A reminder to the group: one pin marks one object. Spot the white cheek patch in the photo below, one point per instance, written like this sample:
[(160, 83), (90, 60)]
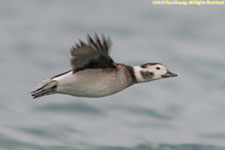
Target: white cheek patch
[(158, 74)]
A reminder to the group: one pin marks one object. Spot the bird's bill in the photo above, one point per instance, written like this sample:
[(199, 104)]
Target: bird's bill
[(169, 74)]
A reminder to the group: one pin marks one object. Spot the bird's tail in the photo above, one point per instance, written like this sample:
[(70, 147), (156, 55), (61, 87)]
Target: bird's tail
[(48, 87)]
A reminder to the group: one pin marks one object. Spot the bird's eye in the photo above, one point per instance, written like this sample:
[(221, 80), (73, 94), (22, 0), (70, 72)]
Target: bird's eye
[(158, 68)]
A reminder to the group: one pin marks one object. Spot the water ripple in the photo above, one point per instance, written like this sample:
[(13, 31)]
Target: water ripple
[(163, 147), (75, 108)]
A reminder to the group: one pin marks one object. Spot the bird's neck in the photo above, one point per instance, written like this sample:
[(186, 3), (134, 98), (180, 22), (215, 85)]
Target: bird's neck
[(138, 73), (142, 74)]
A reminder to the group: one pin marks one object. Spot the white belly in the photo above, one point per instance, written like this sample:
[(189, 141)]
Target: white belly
[(91, 83)]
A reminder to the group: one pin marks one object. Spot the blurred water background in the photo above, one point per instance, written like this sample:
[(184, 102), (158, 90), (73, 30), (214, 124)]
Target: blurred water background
[(183, 113)]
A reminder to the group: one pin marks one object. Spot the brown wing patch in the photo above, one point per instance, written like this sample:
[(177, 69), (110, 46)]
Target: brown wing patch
[(93, 54)]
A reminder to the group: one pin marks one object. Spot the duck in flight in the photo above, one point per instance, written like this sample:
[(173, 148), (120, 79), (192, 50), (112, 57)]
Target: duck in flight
[(95, 74)]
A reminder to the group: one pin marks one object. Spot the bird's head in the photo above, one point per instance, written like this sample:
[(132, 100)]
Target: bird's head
[(152, 71)]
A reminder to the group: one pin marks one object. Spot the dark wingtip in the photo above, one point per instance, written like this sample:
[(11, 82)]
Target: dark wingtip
[(89, 37), (82, 43)]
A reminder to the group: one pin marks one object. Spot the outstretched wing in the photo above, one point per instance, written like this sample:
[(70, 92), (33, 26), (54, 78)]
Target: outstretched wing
[(94, 54)]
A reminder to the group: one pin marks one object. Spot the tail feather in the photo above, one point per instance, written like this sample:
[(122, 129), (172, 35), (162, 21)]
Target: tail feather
[(46, 89)]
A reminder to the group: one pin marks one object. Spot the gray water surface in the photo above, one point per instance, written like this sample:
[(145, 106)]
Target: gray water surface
[(183, 113)]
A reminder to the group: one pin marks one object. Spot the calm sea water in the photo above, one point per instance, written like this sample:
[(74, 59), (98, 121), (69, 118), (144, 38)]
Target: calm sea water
[(184, 113)]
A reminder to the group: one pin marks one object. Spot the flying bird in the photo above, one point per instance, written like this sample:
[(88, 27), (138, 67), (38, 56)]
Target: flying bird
[(95, 74)]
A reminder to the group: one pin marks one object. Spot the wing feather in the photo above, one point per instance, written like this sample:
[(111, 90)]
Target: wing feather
[(94, 54)]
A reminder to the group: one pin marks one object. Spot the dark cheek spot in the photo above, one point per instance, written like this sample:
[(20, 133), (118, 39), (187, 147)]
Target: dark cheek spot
[(146, 74), (158, 68), (142, 74), (150, 73)]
